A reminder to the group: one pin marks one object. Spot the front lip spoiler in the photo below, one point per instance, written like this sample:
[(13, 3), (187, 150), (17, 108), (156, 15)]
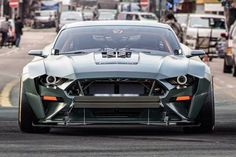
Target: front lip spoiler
[(62, 124)]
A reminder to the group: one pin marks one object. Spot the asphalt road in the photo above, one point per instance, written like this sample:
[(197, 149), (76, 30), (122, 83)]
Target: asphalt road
[(109, 141)]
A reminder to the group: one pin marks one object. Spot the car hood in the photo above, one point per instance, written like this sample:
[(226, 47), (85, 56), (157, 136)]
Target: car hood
[(93, 65)]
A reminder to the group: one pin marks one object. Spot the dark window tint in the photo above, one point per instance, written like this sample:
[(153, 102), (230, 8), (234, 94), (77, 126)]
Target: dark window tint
[(117, 37)]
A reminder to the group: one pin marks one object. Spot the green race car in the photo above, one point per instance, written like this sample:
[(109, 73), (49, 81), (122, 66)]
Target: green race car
[(116, 73)]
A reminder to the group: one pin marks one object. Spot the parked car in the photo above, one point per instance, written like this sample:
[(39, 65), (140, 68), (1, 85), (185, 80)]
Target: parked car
[(45, 19), (107, 14), (137, 16), (230, 51), (203, 31), (116, 73), (67, 17)]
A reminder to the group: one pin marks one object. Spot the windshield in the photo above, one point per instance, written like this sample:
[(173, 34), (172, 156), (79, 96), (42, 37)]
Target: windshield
[(106, 15), (117, 37), (203, 22), (71, 16), (148, 17)]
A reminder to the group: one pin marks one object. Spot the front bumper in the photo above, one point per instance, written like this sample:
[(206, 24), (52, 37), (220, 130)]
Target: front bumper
[(115, 109)]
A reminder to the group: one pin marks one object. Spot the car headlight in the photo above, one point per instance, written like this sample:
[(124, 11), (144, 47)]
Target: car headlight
[(47, 80), (51, 80), (183, 80)]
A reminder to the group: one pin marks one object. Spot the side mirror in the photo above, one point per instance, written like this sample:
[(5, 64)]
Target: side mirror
[(55, 52), (224, 35), (36, 53), (196, 53)]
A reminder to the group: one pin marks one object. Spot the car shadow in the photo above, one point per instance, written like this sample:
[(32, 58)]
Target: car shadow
[(220, 130), (115, 130)]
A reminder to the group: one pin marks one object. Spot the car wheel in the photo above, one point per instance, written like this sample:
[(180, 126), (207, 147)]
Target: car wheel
[(227, 68), (26, 117), (206, 117)]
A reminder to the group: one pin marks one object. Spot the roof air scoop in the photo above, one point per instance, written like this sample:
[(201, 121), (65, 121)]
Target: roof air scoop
[(116, 57)]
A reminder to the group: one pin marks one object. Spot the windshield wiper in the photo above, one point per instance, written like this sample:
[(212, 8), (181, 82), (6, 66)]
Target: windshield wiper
[(141, 50), (152, 52), (81, 51), (74, 52)]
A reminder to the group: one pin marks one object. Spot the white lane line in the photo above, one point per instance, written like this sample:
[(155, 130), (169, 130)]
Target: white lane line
[(9, 75), (222, 84), (14, 50), (6, 92), (229, 86), (9, 52)]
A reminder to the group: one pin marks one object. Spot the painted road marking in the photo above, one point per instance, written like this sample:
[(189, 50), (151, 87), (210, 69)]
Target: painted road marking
[(6, 92), (220, 84), (9, 52), (229, 86)]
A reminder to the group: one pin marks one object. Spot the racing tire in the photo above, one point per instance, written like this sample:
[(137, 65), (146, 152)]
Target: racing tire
[(206, 117), (227, 68), (26, 117)]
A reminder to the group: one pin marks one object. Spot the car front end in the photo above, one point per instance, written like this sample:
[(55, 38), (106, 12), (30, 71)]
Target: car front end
[(103, 73), (118, 97)]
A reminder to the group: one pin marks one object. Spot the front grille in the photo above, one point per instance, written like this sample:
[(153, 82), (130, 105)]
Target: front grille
[(100, 113), (115, 86)]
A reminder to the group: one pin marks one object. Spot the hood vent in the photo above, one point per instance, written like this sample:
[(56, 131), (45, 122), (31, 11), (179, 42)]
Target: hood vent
[(116, 54), (112, 56)]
